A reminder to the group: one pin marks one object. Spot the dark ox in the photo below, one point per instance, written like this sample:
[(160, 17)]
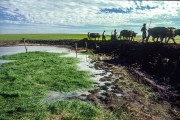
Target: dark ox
[(175, 33), (162, 33), (93, 35), (128, 34)]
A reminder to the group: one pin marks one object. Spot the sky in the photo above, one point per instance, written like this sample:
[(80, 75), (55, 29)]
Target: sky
[(83, 16)]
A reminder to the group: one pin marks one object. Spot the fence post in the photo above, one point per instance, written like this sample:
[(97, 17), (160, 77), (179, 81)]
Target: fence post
[(76, 49), (25, 44), (86, 45)]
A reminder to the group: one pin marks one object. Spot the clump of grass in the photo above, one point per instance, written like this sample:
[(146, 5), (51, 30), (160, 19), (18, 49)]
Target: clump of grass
[(74, 110), (40, 70)]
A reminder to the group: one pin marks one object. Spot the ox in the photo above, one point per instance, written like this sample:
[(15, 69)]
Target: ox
[(93, 35), (162, 33), (175, 32), (128, 34)]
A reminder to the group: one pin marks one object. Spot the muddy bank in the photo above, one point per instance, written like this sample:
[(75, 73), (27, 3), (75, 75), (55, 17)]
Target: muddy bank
[(128, 99), (9, 43)]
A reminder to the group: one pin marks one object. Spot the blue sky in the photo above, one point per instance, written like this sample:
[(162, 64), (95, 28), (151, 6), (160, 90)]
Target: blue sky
[(82, 16)]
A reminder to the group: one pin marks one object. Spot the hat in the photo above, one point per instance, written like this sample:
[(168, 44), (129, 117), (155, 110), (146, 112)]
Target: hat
[(144, 24)]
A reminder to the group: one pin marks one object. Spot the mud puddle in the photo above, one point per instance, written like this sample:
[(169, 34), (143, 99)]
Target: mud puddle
[(101, 81)]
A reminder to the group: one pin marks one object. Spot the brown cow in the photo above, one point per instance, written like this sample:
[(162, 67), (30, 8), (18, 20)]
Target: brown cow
[(93, 35), (128, 34), (162, 33)]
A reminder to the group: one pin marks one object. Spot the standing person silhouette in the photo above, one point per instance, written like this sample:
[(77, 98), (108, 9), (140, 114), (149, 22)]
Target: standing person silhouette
[(103, 35), (143, 30)]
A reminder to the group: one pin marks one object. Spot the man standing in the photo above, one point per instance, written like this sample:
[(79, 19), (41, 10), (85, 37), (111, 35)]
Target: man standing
[(143, 30), (103, 36)]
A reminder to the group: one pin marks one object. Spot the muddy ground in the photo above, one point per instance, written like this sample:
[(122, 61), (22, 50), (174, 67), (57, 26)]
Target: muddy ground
[(129, 99), (144, 80)]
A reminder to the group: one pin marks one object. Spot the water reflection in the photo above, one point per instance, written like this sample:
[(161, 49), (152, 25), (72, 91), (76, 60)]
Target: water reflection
[(21, 49)]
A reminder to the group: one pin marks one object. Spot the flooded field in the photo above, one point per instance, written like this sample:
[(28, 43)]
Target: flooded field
[(113, 87), (85, 64)]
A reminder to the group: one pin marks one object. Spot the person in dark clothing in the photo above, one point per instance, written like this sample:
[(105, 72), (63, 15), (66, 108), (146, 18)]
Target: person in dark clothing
[(143, 30), (103, 35), (115, 34)]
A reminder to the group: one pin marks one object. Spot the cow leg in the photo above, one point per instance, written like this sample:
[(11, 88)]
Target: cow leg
[(147, 38), (168, 39), (165, 40), (157, 39), (173, 40), (153, 39), (161, 39)]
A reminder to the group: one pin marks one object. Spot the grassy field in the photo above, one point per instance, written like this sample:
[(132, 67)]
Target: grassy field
[(17, 37), (25, 81)]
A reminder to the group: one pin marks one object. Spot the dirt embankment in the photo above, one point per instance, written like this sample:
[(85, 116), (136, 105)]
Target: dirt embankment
[(128, 99), (155, 64)]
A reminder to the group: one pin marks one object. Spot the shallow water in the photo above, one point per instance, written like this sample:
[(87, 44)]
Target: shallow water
[(21, 49), (85, 64), (4, 61)]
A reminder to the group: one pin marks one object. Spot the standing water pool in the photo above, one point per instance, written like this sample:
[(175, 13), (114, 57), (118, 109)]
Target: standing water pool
[(85, 64)]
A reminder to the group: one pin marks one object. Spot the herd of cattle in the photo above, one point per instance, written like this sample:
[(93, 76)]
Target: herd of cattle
[(164, 33)]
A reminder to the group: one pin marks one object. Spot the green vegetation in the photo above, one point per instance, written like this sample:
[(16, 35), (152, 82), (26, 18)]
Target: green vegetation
[(16, 37), (25, 81), (66, 110), (41, 70)]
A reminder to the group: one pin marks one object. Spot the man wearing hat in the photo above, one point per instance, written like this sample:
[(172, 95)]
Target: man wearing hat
[(143, 30), (103, 35)]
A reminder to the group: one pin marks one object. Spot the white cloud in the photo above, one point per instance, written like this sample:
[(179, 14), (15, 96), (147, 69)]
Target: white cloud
[(86, 13)]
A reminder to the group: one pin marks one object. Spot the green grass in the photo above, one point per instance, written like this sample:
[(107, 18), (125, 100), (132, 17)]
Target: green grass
[(16, 37), (41, 70), (66, 110), (25, 81)]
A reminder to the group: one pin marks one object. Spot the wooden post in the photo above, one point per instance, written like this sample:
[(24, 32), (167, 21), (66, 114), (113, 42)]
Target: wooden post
[(76, 49), (86, 50), (25, 44), (86, 45)]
